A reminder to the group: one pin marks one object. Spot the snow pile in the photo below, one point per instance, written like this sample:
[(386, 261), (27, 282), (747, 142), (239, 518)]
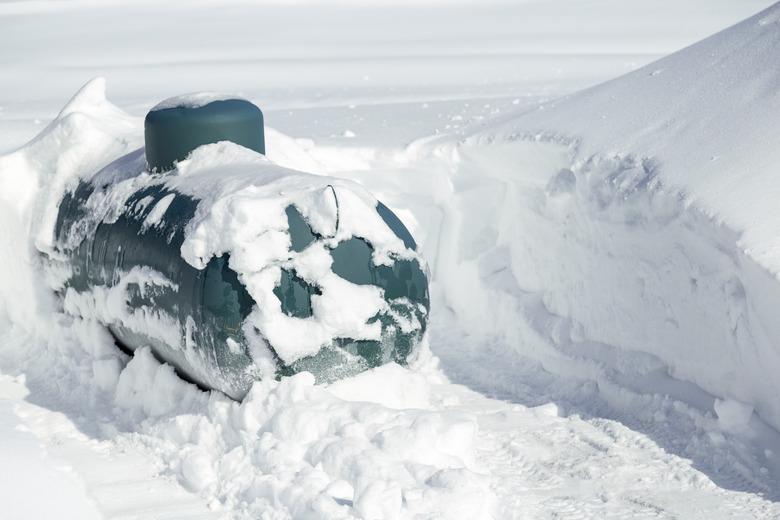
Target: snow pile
[(632, 226), (86, 133), (707, 114), (384, 444), (573, 263), (295, 449)]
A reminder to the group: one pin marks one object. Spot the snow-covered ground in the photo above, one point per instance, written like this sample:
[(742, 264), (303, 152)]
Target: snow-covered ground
[(602, 342)]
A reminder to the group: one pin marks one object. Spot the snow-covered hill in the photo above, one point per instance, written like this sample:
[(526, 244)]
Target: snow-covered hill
[(707, 118)]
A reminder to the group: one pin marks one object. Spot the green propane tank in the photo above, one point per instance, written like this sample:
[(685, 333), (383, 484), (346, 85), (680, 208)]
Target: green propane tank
[(196, 318)]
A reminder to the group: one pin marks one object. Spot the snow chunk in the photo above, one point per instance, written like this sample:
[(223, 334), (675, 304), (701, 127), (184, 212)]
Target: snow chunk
[(733, 416), (151, 388)]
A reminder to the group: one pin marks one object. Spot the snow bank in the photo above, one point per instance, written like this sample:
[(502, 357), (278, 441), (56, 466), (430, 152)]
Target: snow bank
[(633, 227), (707, 115), (83, 138)]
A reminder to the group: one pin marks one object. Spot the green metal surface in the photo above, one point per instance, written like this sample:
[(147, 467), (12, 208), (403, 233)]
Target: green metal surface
[(394, 223), (172, 133), (301, 234), (295, 295), (209, 306), (403, 279)]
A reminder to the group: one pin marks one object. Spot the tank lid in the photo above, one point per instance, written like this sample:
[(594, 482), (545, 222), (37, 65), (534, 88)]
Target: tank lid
[(176, 126)]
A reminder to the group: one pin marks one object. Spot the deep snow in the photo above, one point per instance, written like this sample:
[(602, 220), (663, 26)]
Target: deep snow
[(675, 165), (576, 278)]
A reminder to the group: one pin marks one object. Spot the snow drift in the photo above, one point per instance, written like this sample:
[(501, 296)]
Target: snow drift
[(634, 226)]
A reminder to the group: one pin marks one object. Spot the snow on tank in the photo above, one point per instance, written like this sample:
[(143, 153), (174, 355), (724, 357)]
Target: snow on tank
[(235, 269)]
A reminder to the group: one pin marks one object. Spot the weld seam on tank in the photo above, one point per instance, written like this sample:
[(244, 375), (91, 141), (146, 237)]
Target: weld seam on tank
[(335, 197)]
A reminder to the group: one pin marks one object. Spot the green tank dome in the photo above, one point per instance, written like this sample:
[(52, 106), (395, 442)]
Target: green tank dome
[(178, 125)]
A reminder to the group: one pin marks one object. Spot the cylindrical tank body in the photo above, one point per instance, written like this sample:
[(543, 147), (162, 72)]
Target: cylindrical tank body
[(122, 234)]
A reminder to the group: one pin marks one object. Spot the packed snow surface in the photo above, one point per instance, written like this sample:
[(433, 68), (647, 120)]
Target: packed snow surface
[(602, 341)]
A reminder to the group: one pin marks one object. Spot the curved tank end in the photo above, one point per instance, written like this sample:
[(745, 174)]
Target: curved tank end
[(177, 126)]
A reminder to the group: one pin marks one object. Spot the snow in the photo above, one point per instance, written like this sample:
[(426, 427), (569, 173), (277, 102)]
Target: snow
[(657, 196), (192, 100), (601, 338), (26, 470), (716, 102), (155, 216), (733, 415), (242, 212)]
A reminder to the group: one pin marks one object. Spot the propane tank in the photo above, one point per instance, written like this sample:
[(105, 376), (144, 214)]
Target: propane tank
[(121, 233)]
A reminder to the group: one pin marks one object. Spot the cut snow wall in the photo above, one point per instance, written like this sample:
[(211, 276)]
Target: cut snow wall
[(598, 261), (636, 223)]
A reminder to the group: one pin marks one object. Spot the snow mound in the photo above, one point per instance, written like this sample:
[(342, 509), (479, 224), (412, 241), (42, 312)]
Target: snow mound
[(85, 135), (293, 448), (708, 114), (631, 230)]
